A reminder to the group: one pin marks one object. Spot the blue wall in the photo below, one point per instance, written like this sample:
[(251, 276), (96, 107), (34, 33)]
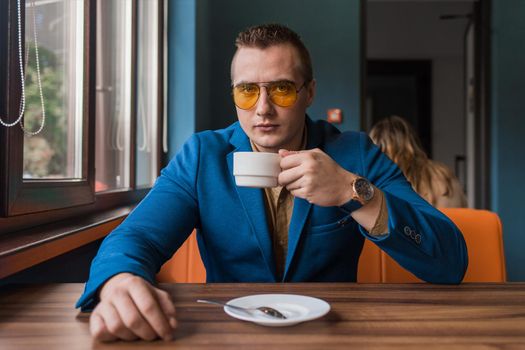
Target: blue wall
[(181, 72), (199, 74), (508, 128)]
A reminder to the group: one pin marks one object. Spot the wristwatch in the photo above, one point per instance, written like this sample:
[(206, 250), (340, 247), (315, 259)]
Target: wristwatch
[(363, 192)]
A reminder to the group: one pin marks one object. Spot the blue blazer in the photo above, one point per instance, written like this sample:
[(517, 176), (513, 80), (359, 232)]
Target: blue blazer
[(197, 190)]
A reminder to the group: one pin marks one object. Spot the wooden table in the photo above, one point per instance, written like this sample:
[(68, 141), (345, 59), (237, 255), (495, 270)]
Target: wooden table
[(410, 316)]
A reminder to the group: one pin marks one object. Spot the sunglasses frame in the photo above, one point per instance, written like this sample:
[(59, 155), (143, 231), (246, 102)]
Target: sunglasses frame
[(265, 85)]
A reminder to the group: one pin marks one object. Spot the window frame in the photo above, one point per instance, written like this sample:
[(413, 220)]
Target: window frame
[(28, 196), (28, 203)]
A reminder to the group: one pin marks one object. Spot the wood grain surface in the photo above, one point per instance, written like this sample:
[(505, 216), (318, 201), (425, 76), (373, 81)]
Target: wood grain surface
[(371, 316)]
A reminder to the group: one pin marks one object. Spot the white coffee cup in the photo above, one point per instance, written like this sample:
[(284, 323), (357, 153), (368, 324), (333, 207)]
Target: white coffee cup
[(256, 169)]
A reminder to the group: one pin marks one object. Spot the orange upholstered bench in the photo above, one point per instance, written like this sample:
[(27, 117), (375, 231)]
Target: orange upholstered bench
[(481, 228)]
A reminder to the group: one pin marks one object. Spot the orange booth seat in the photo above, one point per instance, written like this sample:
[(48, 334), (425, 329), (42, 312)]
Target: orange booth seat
[(481, 228), (185, 265)]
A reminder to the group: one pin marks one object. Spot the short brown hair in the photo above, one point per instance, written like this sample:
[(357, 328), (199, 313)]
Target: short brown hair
[(265, 35)]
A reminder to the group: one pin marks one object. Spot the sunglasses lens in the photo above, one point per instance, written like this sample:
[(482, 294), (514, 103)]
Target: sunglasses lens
[(245, 96), (283, 93)]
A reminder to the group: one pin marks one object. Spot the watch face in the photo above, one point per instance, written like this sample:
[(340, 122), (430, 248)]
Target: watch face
[(364, 189)]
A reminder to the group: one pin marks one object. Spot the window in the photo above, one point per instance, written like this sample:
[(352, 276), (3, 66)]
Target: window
[(113, 103), (149, 110), (93, 73), (55, 151)]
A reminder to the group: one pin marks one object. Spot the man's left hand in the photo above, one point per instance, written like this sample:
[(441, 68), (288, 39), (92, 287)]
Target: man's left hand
[(314, 176)]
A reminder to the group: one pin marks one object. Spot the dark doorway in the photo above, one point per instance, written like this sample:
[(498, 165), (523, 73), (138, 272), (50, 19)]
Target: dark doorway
[(403, 88)]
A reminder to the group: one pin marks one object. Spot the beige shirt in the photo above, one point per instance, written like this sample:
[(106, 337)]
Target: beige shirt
[(278, 203), (279, 207)]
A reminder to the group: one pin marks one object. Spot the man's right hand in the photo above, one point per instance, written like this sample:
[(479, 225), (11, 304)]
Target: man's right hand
[(130, 308)]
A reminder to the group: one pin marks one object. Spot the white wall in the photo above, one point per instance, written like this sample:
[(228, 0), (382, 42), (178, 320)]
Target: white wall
[(413, 30)]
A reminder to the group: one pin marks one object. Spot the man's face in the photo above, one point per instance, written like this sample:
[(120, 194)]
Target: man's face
[(268, 125)]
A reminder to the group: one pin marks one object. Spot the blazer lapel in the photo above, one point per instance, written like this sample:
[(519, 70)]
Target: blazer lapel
[(301, 207), (252, 200)]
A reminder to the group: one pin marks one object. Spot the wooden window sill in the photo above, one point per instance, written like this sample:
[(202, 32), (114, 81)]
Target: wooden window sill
[(23, 249)]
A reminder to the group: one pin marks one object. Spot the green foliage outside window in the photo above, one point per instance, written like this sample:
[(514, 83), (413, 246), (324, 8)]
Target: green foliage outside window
[(45, 153)]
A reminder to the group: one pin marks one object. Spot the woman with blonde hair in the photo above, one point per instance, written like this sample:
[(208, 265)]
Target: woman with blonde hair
[(433, 181)]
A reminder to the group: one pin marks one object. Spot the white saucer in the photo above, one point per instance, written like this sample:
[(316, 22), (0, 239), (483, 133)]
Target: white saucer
[(296, 308)]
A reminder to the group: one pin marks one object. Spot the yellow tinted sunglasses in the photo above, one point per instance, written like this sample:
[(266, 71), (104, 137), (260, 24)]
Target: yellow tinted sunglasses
[(282, 93)]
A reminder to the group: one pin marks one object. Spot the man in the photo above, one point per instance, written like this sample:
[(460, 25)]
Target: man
[(337, 189)]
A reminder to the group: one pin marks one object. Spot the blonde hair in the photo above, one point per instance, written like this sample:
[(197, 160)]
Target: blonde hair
[(397, 139)]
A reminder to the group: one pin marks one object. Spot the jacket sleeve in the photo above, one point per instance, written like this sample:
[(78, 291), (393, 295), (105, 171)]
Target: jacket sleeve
[(420, 238), (154, 230)]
